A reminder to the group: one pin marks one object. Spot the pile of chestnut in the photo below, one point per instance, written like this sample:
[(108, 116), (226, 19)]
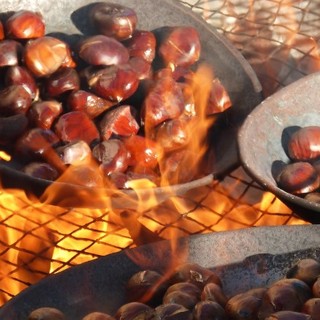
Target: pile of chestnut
[(195, 293), (122, 97), (302, 175)]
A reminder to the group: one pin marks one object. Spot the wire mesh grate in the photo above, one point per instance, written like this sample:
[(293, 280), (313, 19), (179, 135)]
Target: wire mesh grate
[(280, 40)]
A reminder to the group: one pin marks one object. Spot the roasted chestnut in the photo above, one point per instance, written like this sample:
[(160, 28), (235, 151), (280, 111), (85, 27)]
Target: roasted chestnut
[(304, 144), (312, 307), (98, 316), (307, 270), (171, 311), (205, 310), (133, 311), (288, 315), (46, 313), (298, 178), (114, 20)]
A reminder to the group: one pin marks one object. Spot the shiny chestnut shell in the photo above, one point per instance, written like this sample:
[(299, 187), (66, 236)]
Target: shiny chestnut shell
[(304, 144)]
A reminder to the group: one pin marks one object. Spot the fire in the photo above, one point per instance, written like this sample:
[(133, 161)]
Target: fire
[(80, 217)]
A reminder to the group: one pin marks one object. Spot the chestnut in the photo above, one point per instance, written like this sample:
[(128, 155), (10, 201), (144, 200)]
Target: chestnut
[(304, 144), (171, 311), (146, 286), (19, 75), (119, 121), (204, 310), (65, 79), (25, 24), (10, 52), (213, 292), (288, 315), (186, 287), (98, 316), (88, 102), (43, 113), (316, 288), (180, 46), (115, 83), (182, 298), (112, 155), (245, 305), (102, 50), (284, 294), (45, 55), (307, 270), (41, 170), (76, 125), (46, 313), (15, 99), (312, 307), (74, 152), (113, 20), (298, 178), (133, 310)]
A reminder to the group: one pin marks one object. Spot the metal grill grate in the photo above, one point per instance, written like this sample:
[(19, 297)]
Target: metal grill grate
[(280, 40)]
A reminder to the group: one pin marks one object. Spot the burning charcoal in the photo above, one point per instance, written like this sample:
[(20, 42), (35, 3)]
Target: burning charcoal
[(45, 55), (91, 104), (205, 310), (41, 170), (144, 152), (134, 311), (98, 316), (19, 75), (146, 286), (164, 101), (113, 156), (115, 82), (74, 152), (63, 80), (173, 134), (25, 24), (306, 270), (46, 313), (43, 113), (10, 52), (312, 307), (288, 315), (76, 125), (142, 44), (196, 274), (119, 121), (179, 297), (284, 294), (219, 99), (14, 99), (245, 306), (179, 46), (114, 20), (2, 33), (171, 311), (316, 288), (101, 50), (213, 292), (12, 128)]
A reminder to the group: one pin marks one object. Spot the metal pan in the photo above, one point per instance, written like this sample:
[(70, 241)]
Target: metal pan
[(243, 259), (67, 18)]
